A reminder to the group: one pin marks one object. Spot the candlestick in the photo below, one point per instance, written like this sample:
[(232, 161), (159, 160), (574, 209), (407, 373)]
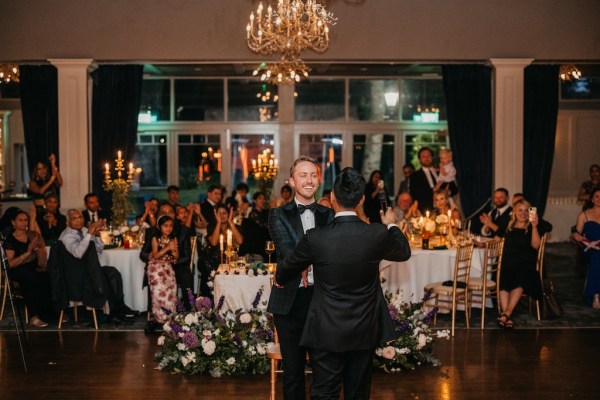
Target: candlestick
[(427, 213), (221, 242), (119, 154), (229, 238), (449, 213)]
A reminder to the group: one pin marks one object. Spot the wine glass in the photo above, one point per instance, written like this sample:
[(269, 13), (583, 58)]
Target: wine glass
[(269, 249)]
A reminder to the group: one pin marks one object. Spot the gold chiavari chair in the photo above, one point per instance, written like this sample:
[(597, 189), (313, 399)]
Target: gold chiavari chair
[(539, 267)]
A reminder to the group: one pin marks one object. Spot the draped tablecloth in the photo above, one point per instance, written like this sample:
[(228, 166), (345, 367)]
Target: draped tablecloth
[(240, 290), (423, 267), (132, 271)]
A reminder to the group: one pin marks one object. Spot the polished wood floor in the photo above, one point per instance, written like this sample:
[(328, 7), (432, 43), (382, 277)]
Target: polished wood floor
[(493, 364)]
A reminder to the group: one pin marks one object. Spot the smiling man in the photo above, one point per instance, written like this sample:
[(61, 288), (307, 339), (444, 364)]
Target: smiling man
[(289, 303)]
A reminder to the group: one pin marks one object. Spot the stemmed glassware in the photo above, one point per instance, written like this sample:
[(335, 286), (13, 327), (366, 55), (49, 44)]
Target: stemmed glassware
[(269, 249)]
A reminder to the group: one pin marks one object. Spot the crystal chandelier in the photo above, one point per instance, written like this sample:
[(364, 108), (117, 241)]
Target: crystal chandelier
[(265, 166), (290, 28), (569, 72), (9, 73)]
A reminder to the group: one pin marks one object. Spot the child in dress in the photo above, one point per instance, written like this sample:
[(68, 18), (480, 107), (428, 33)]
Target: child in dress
[(161, 277), (447, 175)]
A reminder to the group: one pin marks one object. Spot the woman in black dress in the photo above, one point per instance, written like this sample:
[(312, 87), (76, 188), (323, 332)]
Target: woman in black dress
[(43, 182), (518, 277), (372, 205), (26, 254)]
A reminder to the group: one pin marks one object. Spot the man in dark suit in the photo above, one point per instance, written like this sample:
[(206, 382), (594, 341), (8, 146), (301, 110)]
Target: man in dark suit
[(207, 207), (496, 221), (348, 317), (289, 303), (92, 212), (422, 182)]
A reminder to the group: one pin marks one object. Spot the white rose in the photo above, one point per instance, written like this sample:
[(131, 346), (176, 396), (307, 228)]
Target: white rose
[(245, 318), (378, 352), (216, 332), (181, 346), (388, 352), (206, 333), (441, 219), (123, 229), (161, 341), (167, 327), (191, 319), (209, 347), (422, 341), (430, 226), (251, 272), (184, 361), (230, 361), (191, 356), (244, 343), (404, 350), (445, 334), (209, 284)]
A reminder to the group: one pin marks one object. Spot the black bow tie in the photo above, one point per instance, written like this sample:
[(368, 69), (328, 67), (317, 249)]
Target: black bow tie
[(312, 207)]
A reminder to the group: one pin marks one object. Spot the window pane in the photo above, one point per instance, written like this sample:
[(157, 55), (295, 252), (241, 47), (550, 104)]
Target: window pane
[(587, 88), (327, 151), (199, 167), (374, 100), (250, 100), (199, 100), (423, 100), (320, 100), (154, 105), (152, 158), (244, 149), (372, 152)]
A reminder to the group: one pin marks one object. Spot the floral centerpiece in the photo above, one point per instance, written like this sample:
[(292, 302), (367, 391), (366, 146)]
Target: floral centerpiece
[(208, 340), (425, 225), (414, 336)]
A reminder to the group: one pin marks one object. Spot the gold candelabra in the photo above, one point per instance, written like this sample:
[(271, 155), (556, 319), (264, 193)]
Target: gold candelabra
[(119, 168), (569, 72), (207, 164), (265, 167), (9, 73), (121, 207)]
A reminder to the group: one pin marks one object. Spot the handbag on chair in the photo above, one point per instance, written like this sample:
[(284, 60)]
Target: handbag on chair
[(550, 306)]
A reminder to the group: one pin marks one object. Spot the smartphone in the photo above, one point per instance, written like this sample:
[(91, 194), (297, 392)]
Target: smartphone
[(532, 212)]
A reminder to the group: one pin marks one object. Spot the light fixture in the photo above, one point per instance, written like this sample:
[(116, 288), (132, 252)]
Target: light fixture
[(391, 98), (569, 72), (265, 167), (9, 73), (288, 29), (210, 163)]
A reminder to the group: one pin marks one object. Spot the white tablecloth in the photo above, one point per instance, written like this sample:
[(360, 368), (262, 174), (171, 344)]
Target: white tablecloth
[(240, 290), (423, 267), (132, 271)]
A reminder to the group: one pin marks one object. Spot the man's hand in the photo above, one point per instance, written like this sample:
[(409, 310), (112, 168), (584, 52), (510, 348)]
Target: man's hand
[(305, 277), (485, 219), (388, 217)]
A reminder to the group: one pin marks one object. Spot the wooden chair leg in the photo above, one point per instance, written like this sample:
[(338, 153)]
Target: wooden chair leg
[(95, 319), (537, 309), (60, 319), (483, 295), (4, 291), (75, 311), (26, 315), (273, 378)]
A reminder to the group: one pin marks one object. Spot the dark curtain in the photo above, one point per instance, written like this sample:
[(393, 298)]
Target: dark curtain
[(117, 91), (468, 91), (39, 104), (539, 131)]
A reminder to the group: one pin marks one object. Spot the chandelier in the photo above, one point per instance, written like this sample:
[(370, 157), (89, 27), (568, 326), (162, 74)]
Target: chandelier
[(290, 28), (569, 72), (265, 167), (9, 73)]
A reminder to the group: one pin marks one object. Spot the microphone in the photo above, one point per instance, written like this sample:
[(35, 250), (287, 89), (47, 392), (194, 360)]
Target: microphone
[(383, 200)]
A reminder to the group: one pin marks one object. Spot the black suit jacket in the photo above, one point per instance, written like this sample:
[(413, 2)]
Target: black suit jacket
[(208, 211), (86, 216), (421, 191), (285, 227), (348, 311)]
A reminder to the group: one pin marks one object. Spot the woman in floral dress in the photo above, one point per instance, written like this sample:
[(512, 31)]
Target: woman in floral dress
[(161, 277)]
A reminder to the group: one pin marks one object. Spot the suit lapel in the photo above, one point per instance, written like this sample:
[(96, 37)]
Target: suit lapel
[(321, 217), (293, 216)]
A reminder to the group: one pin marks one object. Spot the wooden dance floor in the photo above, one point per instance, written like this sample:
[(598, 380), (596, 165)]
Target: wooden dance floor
[(493, 364)]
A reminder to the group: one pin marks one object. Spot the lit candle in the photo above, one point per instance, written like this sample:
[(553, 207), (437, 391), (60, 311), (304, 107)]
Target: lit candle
[(119, 154), (229, 238), (106, 168), (449, 213), (221, 242), (427, 213), (131, 168)]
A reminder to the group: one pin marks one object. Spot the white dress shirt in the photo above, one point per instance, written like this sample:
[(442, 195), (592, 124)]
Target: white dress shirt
[(308, 222), (77, 242)]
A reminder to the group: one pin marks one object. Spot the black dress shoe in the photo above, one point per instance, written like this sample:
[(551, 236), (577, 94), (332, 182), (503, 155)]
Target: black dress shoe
[(115, 320), (127, 312)]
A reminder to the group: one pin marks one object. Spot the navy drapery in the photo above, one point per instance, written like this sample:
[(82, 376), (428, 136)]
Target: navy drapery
[(468, 91), (539, 131), (117, 91), (39, 104)]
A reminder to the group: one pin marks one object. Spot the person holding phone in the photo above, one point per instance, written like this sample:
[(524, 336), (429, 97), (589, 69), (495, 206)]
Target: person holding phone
[(519, 276), (373, 203)]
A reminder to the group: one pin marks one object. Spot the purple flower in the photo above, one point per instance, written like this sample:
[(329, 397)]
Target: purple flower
[(191, 298), (203, 304), (404, 326), (257, 298), (429, 316), (393, 312), (166, 311), (175, 328), (190, 340), (237, 340), (180, 307), (220, 303), (427, 295)]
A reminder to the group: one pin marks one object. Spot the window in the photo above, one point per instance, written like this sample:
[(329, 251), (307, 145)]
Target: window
[(199, 100), (375, 152), (587, 88), (200, 164), (423, 100), (374, 100), (320, 100), (155, 103), (250, 100), (151, 155), (326, 150), (244, 149)]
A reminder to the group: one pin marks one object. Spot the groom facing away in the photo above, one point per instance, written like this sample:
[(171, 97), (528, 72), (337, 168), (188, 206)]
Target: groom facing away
[(348, 316)]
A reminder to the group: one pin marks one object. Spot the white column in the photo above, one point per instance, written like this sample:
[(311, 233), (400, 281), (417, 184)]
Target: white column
[(4, 149), (287, 143), (73, 129), (508, 122)]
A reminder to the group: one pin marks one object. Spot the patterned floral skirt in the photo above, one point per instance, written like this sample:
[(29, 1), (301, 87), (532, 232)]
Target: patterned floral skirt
[(163, 288)]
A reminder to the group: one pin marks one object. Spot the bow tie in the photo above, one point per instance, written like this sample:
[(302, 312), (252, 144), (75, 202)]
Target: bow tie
[(312, 207)]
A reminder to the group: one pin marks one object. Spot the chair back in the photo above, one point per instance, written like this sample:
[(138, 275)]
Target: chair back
[(492, 261), (194, 244), (462, 265), (539, 266)]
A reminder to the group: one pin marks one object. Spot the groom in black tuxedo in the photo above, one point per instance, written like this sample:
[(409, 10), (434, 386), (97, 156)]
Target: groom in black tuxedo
[(289, 303), (348, 316)]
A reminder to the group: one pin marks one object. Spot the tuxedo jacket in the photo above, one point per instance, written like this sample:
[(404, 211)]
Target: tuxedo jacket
[(285, 227), (348, 311), (501, 220), (421, 191), (208, 211), (86, 216)]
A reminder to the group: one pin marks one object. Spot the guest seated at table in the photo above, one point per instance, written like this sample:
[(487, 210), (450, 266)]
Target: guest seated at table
[(496, 221), (76, 239), (50, 220), (6, 225), (587, 235), (213, 197), (255, 229), (442, 205), (542, 223), (161, 277), (405, 208), (149, 215), (92, 211), (587, 187), (43, 183), (26, 255), (183, 273), (519, 276)]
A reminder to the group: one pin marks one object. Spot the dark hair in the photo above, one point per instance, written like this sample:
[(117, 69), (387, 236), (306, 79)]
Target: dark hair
[(168, 205), (17, 213), (9, 215), (505, 191), (155, 199), (242, 186), (286, 188), (594, 192), (349, 187), (87, 196), (162, 220), (594, 166), (173, 188), (257, 194), (408, 165), (212, 187), (422, 149), (221, 205), (51, 195)]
